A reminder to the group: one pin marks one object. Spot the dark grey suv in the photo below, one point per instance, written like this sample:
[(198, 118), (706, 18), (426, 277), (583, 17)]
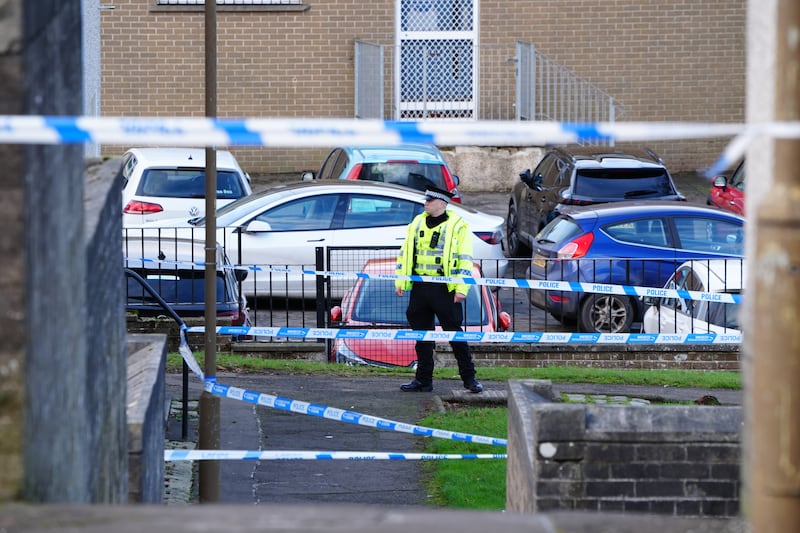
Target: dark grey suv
[(581, 176)]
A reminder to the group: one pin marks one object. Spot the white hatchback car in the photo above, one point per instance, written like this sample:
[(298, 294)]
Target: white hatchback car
[(685, 315), (283, 226), (161, 183)]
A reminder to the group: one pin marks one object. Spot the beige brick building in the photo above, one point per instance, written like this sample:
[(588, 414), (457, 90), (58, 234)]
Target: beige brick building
[(662, 60)]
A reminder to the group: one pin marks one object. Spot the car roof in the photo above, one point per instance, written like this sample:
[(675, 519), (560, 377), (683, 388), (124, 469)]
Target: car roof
[(648, 207), (360, 186), (417, 152), (720, 275), (595, 157), (185, 157)]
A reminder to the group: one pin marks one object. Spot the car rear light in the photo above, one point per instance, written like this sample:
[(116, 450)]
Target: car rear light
[(573, 201), (577, 247), (354, 172), (240, 318), (448, 178), (558, 297), (490, 237), (135, 207)]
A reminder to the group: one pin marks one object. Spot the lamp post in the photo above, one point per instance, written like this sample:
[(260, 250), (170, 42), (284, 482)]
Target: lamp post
[(209, 437)]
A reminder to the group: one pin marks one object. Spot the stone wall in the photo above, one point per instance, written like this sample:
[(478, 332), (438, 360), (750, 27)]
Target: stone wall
[(106, 366), (146, 357), (673, 460)]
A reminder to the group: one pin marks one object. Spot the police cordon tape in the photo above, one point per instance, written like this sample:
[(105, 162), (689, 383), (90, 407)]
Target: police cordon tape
[(331, 413), (283, 455), (322, 133), (530, 337), (548, 285), (310, 132)]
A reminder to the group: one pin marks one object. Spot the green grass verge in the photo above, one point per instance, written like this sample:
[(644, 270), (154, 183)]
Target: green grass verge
[(478, 484), (559, 374)]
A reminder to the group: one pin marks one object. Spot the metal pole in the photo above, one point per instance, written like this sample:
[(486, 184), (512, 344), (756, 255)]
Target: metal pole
[(209, 438), (774, 462)]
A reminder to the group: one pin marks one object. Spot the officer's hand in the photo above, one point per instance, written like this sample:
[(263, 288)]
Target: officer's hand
[(399, 291), (458, 298)]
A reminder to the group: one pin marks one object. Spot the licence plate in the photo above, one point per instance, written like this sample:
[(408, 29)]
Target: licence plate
[(539, 261)]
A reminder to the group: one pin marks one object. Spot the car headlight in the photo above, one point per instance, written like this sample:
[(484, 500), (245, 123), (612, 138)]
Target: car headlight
[(347, 356)]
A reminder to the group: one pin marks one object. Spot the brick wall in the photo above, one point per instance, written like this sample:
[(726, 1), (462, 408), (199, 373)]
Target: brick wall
[(679, 60), (673, 460)]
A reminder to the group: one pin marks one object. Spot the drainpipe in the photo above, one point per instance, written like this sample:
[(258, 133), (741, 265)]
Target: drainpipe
[(774, 463)]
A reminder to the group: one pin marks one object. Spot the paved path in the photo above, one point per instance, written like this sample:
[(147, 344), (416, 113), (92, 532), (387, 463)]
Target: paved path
[(244, 426)]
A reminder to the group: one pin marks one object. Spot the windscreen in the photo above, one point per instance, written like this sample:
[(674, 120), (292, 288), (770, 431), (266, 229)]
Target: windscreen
[(377, 303)]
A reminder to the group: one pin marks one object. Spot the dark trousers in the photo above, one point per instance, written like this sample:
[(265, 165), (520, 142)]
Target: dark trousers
[(427, 302)]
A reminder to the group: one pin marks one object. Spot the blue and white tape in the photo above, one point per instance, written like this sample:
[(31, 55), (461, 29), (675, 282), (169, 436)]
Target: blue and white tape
[(300, 455), (564, 286), (529, 337), (308, 132), (340, 415)]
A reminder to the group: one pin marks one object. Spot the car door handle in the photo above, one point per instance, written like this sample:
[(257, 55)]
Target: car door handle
[(315, 240)]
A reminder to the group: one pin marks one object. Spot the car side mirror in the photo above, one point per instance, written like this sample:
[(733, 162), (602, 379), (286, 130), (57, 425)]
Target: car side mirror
[(336, 314), (721, 181), (651, 300), (526, 177), (307, 175), (240, 274), (504, 321), (257, 226), (456, 179)]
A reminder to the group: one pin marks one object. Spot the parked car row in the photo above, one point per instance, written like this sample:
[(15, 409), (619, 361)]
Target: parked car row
[(607, 217)]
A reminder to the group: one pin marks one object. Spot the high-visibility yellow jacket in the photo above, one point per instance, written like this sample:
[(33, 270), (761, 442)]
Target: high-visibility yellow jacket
[(451, 255)]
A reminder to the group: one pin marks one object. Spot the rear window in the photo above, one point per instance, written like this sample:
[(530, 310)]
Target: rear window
[(406, 173), (560, 229), (188, 183), (175, 287), (622, 184)]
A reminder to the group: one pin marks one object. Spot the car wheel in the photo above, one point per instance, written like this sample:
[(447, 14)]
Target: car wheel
[(606, 313), (516, 248)]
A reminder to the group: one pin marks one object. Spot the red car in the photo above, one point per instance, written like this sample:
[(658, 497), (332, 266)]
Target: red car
[(372, 303), (728, 194)]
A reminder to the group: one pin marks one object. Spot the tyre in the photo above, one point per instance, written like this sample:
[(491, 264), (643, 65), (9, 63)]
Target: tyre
[(516, 248), (606, 313)]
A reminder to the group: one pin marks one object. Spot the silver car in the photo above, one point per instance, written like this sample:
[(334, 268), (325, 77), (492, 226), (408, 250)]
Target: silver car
[(283, 226)]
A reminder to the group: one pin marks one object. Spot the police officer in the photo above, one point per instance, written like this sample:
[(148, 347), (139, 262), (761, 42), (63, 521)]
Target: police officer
[(437, 243)]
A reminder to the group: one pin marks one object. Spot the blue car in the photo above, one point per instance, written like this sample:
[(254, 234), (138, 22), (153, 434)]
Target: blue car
[(624, 243)]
